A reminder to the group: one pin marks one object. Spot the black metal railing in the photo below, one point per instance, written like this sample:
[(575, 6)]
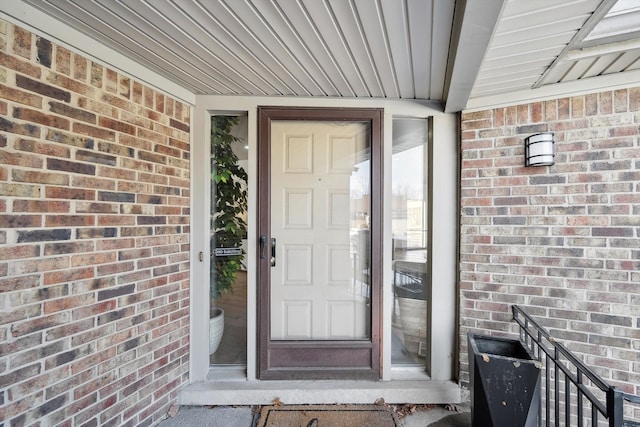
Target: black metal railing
[(572, 394)]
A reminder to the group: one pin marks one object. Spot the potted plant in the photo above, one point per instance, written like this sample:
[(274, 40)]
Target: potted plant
[(228, 226)]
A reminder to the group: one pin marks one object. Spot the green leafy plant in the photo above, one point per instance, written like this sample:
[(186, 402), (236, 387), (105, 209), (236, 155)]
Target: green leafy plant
[(229, 200)]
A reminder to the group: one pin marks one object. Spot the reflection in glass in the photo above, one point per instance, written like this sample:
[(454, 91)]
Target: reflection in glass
[(228, 277), (409, 228), (320, 209)]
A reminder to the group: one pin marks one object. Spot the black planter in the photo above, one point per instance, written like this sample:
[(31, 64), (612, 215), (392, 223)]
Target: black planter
[(505, 383)]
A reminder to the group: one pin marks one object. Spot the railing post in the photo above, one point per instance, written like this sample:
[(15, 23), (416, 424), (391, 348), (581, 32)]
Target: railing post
[(615, 407)]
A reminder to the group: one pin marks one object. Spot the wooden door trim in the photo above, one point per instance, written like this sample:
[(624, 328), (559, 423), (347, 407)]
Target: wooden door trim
[(357, 359)]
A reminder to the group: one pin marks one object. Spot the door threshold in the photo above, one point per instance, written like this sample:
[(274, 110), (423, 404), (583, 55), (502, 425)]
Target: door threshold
[(243, 392)]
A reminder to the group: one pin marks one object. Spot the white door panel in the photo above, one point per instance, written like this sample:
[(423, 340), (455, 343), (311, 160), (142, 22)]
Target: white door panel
[(298, 208)]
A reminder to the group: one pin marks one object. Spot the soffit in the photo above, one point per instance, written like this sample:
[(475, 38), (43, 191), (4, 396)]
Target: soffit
[(326, 48), (550, 46)]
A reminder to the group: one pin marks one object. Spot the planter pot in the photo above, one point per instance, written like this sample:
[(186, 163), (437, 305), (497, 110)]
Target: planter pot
[(505, 382), (216, 328)]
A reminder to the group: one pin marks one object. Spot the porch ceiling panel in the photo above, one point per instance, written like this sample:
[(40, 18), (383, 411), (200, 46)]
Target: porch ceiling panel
[(463, 53), (539, 29), (341, 48)]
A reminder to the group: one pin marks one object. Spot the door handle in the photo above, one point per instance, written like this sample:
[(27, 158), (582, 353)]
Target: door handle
[(273, 252), (263, 246)]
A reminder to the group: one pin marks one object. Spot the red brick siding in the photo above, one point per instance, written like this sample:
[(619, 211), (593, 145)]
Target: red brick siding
[(94, 240), (562, 241)]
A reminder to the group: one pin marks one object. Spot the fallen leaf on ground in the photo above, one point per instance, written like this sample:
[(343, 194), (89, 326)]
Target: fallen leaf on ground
[(411, 408)]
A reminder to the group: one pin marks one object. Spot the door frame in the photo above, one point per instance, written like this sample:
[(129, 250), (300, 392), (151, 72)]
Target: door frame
[(444, 175), (350, 359)]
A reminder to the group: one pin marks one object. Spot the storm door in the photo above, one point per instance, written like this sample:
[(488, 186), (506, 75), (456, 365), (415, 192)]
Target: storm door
[(319, 251)]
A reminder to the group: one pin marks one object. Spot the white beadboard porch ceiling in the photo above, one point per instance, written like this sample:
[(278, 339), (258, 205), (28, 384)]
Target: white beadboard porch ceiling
[(467, 54)]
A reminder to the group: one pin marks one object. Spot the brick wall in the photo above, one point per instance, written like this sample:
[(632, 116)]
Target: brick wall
[(562, 241), (94, 223)]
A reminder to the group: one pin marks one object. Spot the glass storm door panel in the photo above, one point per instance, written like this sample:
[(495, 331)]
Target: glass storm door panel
[(319, 210), (317, 248)]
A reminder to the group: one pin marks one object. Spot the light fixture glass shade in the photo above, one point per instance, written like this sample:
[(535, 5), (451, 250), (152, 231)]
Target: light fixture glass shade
[(538, 150)]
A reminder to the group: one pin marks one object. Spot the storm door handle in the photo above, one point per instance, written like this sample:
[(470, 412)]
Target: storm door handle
[(273, 252), (263, 246)]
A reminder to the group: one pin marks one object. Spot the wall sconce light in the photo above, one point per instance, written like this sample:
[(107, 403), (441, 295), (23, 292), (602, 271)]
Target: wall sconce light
[(538, 150)]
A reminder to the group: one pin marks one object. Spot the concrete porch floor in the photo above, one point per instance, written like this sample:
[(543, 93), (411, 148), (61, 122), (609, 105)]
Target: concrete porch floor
[(246, 416), (231, 402)]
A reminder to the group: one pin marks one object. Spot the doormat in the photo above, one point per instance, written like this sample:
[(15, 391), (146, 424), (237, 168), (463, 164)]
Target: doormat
[(326, 416)]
